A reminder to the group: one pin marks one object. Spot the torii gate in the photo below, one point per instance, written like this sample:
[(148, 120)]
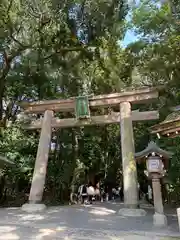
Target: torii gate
[(82, 106)]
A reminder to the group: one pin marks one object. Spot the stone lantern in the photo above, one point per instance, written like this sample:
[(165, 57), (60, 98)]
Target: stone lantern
[(169, 128), (156, 164)]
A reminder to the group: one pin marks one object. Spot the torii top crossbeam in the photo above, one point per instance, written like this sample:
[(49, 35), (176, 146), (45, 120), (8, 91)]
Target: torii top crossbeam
[(68, 105)]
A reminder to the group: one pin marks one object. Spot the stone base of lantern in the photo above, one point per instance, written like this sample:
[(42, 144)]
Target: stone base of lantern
[(132, 212), (159, 220), (33, 207), (178, 215)]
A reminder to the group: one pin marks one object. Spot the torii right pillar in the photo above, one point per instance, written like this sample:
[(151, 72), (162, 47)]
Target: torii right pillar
[(129, 164)]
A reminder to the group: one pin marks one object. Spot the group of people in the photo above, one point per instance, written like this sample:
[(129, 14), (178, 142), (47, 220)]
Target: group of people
[(89, 192)]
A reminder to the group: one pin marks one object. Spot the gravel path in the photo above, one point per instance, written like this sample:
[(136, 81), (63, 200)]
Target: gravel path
[(96, 222)]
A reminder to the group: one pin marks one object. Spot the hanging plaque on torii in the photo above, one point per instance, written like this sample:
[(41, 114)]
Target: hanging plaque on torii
[(82, 110)]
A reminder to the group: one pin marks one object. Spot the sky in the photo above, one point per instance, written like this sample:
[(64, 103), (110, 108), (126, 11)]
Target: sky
[(129, 38)]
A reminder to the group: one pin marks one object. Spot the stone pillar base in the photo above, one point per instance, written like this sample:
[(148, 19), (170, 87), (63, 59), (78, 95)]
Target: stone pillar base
[(178, 215), (33, 207), (131, 212), (159, 220)]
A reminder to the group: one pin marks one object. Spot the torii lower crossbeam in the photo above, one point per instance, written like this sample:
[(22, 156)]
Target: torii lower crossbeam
[(94, 120)]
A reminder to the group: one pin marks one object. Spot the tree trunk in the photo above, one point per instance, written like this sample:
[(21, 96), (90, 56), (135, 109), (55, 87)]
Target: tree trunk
[(75, 157)]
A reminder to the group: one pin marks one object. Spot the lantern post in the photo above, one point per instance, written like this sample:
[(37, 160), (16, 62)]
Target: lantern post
[(156, 164)]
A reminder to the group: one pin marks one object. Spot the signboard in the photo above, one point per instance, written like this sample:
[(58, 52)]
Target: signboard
[(153, 165), (82, 107)]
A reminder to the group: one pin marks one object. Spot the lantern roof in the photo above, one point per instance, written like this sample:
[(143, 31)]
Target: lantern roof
[(153, 148), (174, 116), (170, 126)]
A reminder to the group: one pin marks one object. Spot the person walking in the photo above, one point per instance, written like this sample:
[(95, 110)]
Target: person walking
[(90, 192)]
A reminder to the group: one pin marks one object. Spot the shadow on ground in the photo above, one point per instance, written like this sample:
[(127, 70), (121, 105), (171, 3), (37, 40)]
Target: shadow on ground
[(98, 221)]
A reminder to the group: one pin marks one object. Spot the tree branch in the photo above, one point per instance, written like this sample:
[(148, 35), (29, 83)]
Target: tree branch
[(9, 7), (66, 49)]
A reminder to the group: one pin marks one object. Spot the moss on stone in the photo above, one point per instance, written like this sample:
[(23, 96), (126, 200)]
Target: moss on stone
[(170, 238), (172, 117)]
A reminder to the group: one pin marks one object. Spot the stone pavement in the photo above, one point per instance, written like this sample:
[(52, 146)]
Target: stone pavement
[(96, 222)]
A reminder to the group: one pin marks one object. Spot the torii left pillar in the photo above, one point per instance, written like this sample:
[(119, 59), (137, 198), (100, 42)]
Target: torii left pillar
[(40, 169)]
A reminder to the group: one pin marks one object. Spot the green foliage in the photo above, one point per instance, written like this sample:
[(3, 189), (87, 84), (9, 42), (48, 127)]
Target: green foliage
[(20, 147), (157, 61)]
